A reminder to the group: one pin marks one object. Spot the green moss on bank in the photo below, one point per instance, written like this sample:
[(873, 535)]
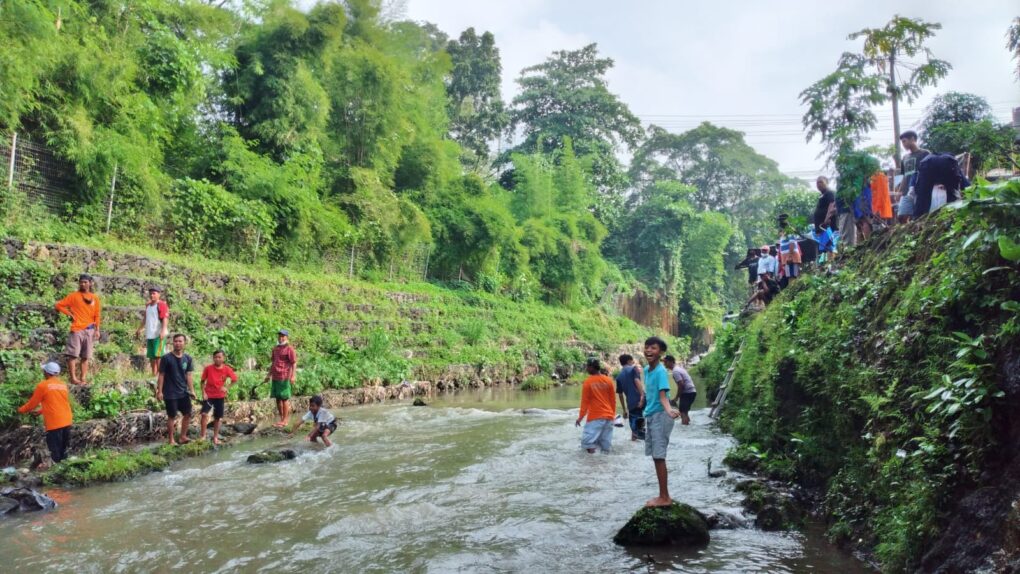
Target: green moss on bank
[(880, 384), (109, 465)]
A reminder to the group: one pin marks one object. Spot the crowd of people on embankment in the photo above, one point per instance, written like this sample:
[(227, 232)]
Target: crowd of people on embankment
[(927, 182)]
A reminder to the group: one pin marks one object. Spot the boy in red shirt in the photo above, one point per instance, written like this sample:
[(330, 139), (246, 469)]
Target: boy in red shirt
[(598, 404), (52, 398), (214, 393)]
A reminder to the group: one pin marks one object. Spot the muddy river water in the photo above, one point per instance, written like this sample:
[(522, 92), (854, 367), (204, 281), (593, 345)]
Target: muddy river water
[(468, 484)]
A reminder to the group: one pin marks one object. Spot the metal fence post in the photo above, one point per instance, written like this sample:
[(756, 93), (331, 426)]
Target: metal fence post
[(14, 151), (109, 208), (350, 267)]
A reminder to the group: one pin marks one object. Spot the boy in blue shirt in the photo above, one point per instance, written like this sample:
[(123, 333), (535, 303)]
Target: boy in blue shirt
[(659, 416)]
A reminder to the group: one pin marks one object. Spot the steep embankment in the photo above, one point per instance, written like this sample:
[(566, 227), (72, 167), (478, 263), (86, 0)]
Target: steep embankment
[(348, 333), (892, 386)]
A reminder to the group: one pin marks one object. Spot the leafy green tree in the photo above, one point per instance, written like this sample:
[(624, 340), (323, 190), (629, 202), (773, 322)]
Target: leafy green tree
[(723, 169), (568, 96), (955, 107), (274, 92), (839, 105), (475, 105), (957, 122)]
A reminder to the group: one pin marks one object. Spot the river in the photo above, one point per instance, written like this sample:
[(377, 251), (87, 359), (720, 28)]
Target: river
[(468, 484)]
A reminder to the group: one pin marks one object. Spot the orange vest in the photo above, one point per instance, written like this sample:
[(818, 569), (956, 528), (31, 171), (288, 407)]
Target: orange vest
[(56, 404)]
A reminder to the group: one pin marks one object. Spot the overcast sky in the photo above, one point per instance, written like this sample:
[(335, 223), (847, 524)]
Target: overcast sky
[(737, 63)]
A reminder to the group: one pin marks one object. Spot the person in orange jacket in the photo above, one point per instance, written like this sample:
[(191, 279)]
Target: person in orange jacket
[(598, 405), (83, 308), (51, 397)]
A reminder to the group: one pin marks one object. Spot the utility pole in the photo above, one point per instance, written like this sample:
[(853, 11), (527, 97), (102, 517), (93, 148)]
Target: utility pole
[(895, 108)]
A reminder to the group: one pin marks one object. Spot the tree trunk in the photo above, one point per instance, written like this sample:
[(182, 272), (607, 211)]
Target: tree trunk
[(894, 94)]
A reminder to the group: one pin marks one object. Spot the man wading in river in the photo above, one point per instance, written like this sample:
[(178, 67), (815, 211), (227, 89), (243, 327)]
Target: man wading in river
[(598, 404), (632, 396), (659, 416)]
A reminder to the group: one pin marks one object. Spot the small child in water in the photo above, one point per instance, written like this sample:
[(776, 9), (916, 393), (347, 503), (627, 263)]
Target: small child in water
[(323, 421)]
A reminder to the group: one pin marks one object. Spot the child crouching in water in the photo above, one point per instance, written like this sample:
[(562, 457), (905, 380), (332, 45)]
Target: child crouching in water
[(323, 421)]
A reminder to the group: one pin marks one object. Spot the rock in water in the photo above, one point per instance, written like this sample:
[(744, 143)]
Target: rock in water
[(418, 402), (675, 525), (271, 456), (28, 500), (243, 428), (8, 505)]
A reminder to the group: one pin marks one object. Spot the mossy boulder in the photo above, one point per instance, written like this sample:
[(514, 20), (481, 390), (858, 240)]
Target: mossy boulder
[(268, 456), (675, 525), (418, 402)]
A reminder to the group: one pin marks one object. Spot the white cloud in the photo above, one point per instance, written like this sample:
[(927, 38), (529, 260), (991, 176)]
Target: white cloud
[(739, 63)]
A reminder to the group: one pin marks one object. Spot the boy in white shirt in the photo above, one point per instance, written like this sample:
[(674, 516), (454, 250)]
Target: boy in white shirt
[(323, 421)]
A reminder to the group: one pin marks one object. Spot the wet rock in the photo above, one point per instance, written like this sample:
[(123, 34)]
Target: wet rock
[(8, 506), (771, 518), (725, 520), (675, 525), (774, 508), (28, 500), (243, 428), (418, 402), (268, 456)]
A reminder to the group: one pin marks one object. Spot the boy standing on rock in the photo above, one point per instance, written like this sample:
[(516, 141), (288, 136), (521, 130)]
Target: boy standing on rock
[(83, 308), (282, 371), (659, 416), (176, 389), (156, 326), (598, 404), (52, 398)]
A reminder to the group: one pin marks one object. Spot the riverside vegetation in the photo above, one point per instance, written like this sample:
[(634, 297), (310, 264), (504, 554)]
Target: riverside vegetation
[(891, 386)]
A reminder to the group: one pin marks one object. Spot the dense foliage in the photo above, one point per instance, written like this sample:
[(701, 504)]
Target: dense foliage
[(884, 383), (286, 133), (956, 122)]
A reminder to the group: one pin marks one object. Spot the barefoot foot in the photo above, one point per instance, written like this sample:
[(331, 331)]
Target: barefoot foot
[(659, 501), (216, 440)]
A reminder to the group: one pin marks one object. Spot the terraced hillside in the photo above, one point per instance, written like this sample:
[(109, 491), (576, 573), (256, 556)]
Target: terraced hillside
[(348, 333)]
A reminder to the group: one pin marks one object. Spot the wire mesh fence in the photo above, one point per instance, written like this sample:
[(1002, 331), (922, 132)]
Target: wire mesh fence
[(31, 168), (43, 177)]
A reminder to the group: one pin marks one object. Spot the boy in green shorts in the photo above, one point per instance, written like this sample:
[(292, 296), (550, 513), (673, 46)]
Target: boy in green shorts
[(155, 326), (282, 370)]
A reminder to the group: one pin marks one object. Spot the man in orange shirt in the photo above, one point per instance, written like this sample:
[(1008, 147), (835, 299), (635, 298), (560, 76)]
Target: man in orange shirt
[(598, 404), (83, 308), (51, 395)]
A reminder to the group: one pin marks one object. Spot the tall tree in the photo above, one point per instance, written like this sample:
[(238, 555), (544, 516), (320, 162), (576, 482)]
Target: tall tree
[(475, 106), (1013, 43), (725, 172), (568, 96), (839, 104), (956, 122)]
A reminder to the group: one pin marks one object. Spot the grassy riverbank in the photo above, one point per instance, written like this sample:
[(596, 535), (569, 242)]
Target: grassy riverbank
[(892, 385), (348, 333)]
